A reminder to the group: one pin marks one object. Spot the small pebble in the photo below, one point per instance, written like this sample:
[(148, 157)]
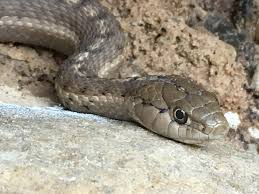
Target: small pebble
[(254, 132), (233, 119)]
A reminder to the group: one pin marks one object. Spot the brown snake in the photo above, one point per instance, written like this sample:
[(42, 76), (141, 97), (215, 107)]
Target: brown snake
[(171, 106)]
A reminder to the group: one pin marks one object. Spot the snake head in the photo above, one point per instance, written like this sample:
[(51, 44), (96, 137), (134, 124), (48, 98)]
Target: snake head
[(181, 110), (196, 117)]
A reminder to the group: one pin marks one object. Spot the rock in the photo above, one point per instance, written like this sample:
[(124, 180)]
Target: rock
[(254, 132), (48, 150), (233, 119)]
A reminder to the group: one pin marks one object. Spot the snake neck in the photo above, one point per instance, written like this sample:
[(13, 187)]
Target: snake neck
[(104, 97)]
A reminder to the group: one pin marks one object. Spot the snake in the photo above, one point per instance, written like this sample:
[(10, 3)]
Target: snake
[(91, 38)]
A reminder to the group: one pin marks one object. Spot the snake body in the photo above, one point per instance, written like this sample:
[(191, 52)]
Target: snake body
[(85, 31)]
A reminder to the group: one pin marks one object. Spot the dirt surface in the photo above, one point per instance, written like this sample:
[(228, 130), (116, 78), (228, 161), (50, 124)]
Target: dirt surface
[(159, 42)]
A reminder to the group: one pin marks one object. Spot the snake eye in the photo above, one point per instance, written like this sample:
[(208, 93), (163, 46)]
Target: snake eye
[(180, 116)]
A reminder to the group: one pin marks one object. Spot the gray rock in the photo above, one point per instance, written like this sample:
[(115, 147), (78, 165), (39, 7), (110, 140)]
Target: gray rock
[(49, 150)]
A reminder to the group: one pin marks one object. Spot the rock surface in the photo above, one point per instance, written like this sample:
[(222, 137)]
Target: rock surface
[(48, 150)]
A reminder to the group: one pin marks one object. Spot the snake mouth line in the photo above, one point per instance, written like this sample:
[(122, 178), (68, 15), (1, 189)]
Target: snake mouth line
[(198, 136), (187, 134)]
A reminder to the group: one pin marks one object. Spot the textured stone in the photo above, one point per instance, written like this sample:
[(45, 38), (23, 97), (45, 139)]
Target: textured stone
[(54, 151), (254, 132), (233, 120)]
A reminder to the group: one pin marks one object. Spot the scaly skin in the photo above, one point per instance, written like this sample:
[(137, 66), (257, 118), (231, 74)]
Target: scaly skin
[(172, 106)]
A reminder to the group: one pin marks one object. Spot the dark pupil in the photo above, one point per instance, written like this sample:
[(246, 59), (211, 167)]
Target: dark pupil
[(179, 114)]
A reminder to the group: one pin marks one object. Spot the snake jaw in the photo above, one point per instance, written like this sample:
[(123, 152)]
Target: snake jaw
[(189, 133), (193, 133)]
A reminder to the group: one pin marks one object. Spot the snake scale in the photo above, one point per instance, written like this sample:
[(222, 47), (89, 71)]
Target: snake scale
[(171, 106)]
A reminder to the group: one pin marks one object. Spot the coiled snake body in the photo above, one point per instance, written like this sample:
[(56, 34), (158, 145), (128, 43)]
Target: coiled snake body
[(89, 35)]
